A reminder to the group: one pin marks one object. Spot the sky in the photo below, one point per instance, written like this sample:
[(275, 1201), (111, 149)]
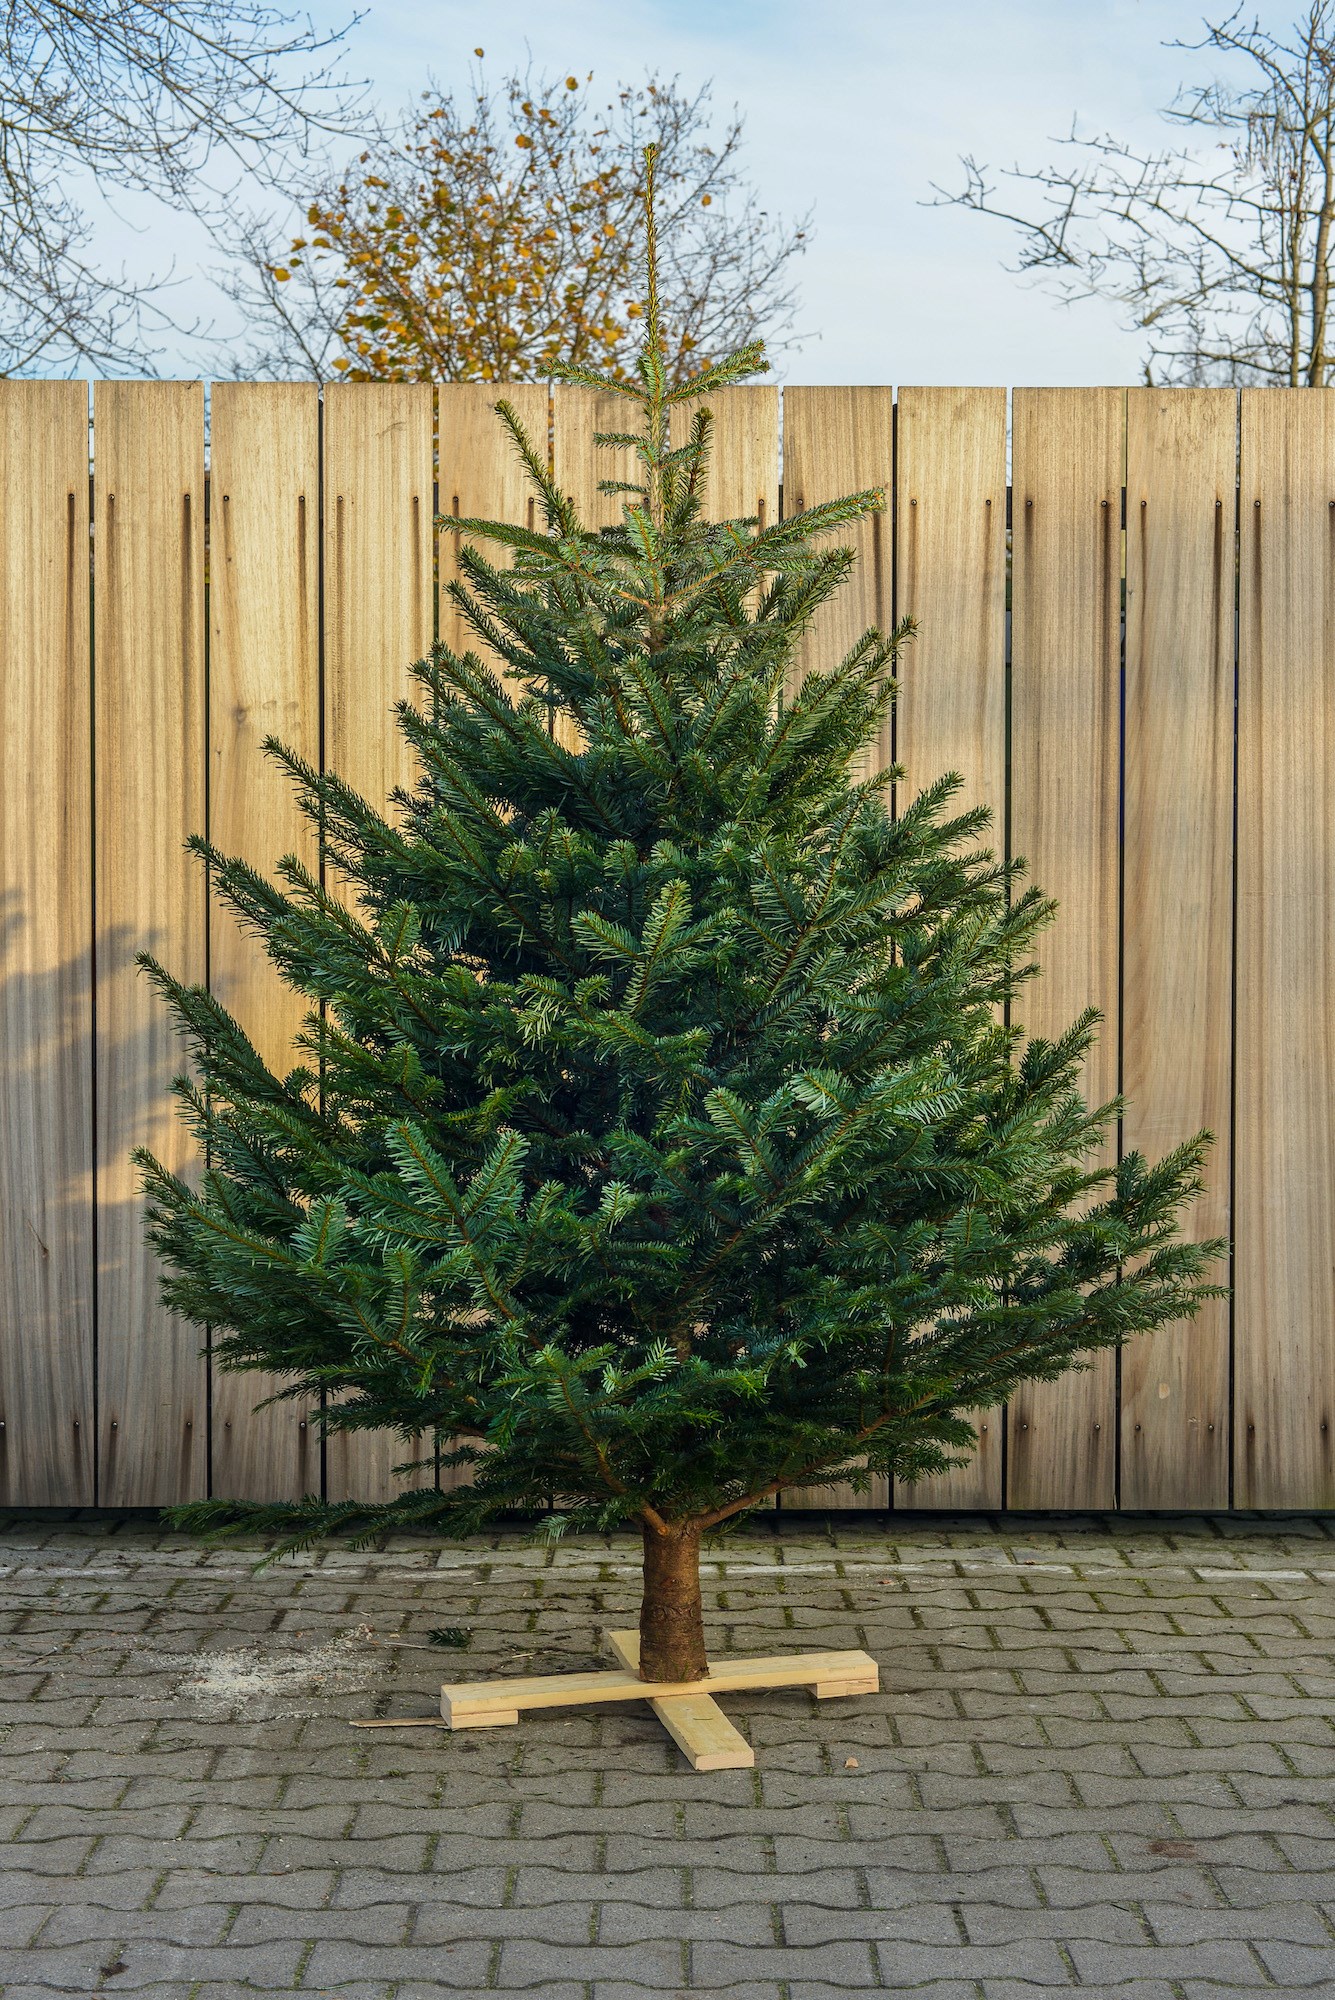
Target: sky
[(852, 109)]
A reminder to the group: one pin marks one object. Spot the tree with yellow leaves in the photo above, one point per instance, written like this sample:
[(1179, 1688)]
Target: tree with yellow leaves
[(500, 237)]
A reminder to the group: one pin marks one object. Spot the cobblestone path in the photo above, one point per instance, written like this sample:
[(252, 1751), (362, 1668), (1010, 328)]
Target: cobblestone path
[(1102, 1760)]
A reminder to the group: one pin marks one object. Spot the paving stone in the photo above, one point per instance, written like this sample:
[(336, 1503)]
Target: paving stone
[(1101, 1762)]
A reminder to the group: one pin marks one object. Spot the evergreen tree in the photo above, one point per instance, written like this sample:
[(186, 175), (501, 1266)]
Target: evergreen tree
[(658, 1143)]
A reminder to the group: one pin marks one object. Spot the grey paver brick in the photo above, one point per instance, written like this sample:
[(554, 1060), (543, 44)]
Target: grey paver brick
[(1101, 1762)]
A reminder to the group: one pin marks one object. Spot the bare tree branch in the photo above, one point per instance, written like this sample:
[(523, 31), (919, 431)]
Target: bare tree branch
[(1224, 267), (496, 237), (143, 96)]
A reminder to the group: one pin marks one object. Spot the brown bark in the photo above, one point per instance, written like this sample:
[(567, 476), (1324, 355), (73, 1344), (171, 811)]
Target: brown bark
[(672, 1630)]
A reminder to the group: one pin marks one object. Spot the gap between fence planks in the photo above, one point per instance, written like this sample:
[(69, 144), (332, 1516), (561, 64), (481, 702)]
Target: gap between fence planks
[(151, 740), (1177, 930), (148, 759), (264, 680), (1284, 1343), (1065, 679)]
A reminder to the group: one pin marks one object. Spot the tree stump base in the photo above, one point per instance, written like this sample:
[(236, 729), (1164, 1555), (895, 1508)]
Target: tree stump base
[(686, 1709)]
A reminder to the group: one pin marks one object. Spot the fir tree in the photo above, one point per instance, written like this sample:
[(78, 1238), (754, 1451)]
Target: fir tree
[(659, 1142)]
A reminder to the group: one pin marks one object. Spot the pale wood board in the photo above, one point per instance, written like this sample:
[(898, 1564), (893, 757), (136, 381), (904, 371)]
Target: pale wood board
[(46, 921), (482, 476), (579, 463), (742, 478), (950, 715), (838, 441), (379, 617), (1284, 1337), (695, 1722), (1065, 694), (149, 748), (264, 679), (462, 1702), (1177, 931)]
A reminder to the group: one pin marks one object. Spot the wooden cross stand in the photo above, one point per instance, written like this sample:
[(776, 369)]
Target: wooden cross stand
[(686, 1709)]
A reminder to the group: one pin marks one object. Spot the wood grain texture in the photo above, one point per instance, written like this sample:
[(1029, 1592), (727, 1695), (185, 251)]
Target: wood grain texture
[(1177, 930), (743, 474), (578, 462), (695, 1722), (1065, 691), (950, 715), (149, 749), (46, 923), (481, 475), (264, 679), (379, 619), (838, 441), (466, 1704), (1284, 1330), (742, 479)]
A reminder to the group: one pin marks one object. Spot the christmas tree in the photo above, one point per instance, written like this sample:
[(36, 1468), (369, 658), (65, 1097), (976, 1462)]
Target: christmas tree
[(659, 1140)]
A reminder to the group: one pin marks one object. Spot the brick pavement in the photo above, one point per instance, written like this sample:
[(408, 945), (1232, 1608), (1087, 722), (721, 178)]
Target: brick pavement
[(1101, 1760)]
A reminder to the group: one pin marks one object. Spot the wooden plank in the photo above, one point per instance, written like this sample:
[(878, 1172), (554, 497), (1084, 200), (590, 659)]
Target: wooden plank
[(149, 755), (46, 994), (743, 474), (1177, 928), (264, 679), (950, 539), (481, 475), (1284, 1329), (379, 619), (463, 1704), (578, 464), (742, 479), (1065, 692), (695, 1722), (838, 441)]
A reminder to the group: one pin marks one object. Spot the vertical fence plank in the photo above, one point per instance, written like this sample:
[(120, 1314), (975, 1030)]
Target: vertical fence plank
[(1065, 697), (379, 618), (838, 441), (1284, 1380), (950, 539), (743, 474), (578, 464), (149, 750), (481, 476), (264, 679), (46, 920), (1177, 927)]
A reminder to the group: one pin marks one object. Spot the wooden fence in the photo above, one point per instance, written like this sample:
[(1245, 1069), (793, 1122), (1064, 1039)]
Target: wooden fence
[(1129, 651)]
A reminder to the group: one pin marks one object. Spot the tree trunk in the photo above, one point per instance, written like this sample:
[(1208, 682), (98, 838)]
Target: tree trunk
[(672, 1631)]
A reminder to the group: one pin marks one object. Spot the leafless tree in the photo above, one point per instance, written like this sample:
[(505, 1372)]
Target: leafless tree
[(142, 96), (495, 234), (1219, 249)]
